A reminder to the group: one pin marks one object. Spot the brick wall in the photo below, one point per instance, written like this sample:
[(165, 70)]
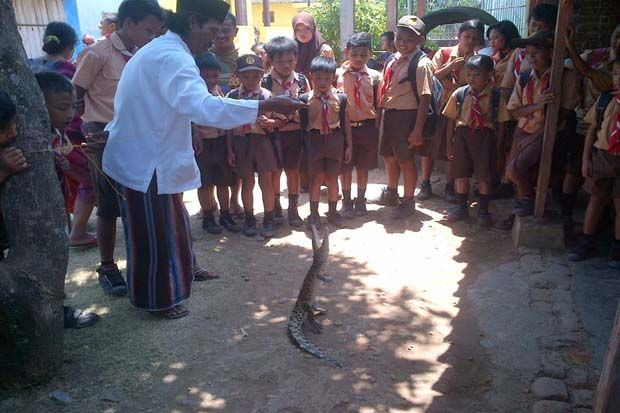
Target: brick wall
[(594, 21)]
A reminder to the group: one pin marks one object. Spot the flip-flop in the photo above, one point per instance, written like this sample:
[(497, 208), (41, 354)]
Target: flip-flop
[(172, 315), (76, 318), (200, 274), (84, 246)]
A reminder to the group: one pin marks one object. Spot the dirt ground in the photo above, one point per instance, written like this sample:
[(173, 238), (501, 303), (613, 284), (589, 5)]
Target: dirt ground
[(398, 320)]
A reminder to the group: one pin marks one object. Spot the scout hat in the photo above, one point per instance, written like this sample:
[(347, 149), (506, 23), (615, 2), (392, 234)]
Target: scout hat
[(412, 23), (249, 62), (216, 9), (538, 39)]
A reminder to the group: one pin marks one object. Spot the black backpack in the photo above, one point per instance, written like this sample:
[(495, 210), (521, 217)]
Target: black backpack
[(437, 91), (301, 81), (496, 95), (303, 113), (603, 101)]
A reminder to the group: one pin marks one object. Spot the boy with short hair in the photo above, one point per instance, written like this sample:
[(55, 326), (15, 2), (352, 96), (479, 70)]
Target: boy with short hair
[(327, 129), (404, 114), (98, 71), (527, 104), (283, 80), (211, 157), (359, 83), (601, 168), (472, 133), (250, 148)]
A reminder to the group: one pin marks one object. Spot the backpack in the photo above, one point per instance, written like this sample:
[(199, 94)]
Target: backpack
[(301, 81), (437, 90), (603, 101), (303, 113), (496, 95), (524, 77)]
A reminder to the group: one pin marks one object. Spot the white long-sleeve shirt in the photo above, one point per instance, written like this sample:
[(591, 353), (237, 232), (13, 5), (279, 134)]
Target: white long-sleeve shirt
[(159, 95)]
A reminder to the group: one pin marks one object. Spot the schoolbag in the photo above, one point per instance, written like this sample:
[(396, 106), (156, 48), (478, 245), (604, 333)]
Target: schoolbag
[(524, 77), (301, 81), (437, 90), (603, 101), (462, 92), (303, 113)]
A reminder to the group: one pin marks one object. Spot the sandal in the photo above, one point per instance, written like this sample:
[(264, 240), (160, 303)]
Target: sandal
[(76, 318), (83, 246), (178, 311), (201, 274)]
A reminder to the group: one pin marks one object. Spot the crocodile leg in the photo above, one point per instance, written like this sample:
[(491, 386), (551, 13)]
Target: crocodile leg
[(315, 326)]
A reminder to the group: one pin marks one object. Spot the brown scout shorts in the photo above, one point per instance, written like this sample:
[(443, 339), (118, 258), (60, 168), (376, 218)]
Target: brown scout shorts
[(324, 152), (290, 147), (474, 153), (254, 153), (605, 179), (525, 154), (365, 147), (213, 163)]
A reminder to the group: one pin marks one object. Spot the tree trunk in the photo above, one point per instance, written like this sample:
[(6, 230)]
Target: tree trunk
[(32, 276)]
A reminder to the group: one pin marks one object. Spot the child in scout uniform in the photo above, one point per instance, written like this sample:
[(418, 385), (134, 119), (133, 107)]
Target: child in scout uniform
[(472, 133), (359, 83), (404, 115), (601, 168), (328, 135), (527, 104), (211, 157), (449, 68), (251, 150), (283, 80)]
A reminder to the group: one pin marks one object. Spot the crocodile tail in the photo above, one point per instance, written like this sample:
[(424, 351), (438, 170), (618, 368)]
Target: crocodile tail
[(308, 347)]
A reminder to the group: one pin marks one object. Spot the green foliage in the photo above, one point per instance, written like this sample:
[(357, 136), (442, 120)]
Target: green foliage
[(370, 16)]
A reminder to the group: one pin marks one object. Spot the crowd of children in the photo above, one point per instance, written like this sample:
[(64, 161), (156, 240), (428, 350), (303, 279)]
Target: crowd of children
[(483, 115)]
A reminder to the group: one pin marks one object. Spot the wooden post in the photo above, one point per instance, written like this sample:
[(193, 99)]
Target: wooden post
[(242, 12), (347, 21), (392, 14), (421, 8), (608, 390), (266, 14), (565, 12)]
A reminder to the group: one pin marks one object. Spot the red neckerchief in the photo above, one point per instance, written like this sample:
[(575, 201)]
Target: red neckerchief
[(614, 138), (477, 120), (325, 129), (519, 58), (388, 74), (357, 88), (285, 85), (247, 95), (529, 89)]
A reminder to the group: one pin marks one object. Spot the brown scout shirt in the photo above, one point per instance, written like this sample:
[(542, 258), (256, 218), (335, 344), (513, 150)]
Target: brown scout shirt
[(260, 93), (607, 126), (315, 111), (365, 108), (510, 79), (399, 95), (455, 79), (464, 117), (278, 89), (99, 69)]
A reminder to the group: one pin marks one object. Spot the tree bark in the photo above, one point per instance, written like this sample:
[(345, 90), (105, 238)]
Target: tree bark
[(32, 276)]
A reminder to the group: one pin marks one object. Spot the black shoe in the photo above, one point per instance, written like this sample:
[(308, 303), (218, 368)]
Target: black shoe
[(484, 220), (278, 217), (583, 250), (209, 225), (614, 257), (524, 207), (451, 194), (404, 210), (294, 220), (503, 191), (112, 281), (347, 211), (425, 191), (249, 227), (267, 230), (387, 198), (313, 220), (337, 220), (76, 318), (505, 224), (567, 221), (458, 213), (228, 222), (359, 207)]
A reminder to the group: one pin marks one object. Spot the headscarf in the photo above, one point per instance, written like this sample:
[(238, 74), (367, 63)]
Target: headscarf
[(310, 50)]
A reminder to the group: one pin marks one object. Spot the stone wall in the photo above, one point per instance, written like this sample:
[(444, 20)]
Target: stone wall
[(594, 21)]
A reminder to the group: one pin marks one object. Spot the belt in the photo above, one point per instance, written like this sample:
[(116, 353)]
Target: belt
[(399, 110), (361, 123), (330, 131)]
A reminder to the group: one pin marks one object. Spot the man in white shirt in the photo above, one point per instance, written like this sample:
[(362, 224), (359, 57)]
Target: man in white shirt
[(149, 151)]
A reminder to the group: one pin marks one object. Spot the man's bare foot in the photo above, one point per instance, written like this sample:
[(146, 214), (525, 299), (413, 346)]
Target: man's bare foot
[(178, 311)]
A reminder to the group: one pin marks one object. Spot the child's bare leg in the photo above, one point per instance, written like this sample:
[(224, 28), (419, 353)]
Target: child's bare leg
[(594, 211), (275, 179), (410, 176), (247, 194), (223, 196), (332, 187), (266, 184), (106, 238), (292, 181), (346, 179), (362, 182), (462, 186), (234, 195), (427, 168), (316, 180), (205, 198), (392, 170), (81, 213)]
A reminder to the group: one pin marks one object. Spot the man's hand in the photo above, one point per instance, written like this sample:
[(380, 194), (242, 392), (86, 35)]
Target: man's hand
[(197, 144), (285, 105), (415, 138), (267, 123), (348, 155), (12, 161)]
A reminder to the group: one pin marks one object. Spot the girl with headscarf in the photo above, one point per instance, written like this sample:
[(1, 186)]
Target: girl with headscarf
[(311, 43)]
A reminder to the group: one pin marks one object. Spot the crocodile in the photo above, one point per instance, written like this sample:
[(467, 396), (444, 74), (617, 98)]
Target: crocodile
[(305, 310)]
